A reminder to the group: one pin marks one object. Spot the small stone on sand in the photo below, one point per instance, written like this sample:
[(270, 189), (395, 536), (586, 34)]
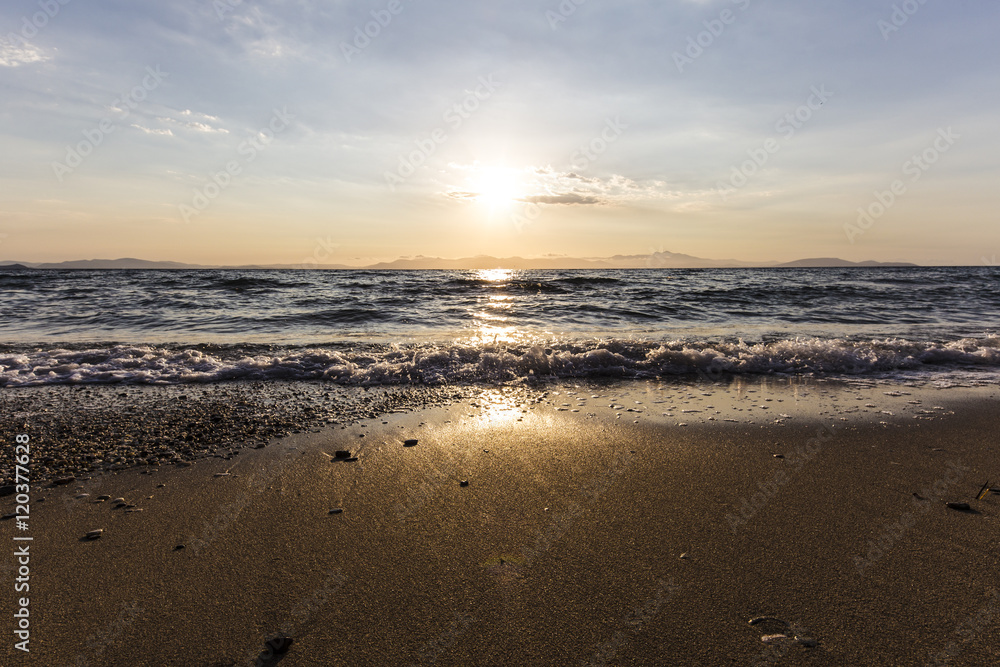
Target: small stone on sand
[(412, 442), (280, 645), (342, 454), (336, 510), (95, 534), (464, 482)]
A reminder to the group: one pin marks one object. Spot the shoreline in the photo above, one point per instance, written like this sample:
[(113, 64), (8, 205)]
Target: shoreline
[(565, 547), (90, 429)]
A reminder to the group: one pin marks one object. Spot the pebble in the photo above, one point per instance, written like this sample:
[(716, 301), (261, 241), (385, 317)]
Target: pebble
[(120, 501), (412, 442), (961, 507), (280, 645), (685, 555), (192, 422), (94, 534), (64, 480), (103, 497), (337, 510), (222, 474), (464, 482), (342, 454), (83, 495)]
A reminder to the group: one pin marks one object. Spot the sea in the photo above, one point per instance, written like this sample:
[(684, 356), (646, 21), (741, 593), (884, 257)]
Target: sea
[(360, 327)]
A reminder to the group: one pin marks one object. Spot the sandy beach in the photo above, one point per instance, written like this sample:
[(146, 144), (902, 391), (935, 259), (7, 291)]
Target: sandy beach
[(601, 524)]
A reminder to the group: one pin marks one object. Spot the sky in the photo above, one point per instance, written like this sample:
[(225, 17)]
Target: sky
[(298, 131)]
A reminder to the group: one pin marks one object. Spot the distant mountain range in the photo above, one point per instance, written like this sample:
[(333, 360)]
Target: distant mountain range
[(669, 260)]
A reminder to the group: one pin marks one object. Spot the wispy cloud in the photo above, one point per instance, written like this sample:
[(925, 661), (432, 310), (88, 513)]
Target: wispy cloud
[(146, 130), (14, 55), (561, 198)]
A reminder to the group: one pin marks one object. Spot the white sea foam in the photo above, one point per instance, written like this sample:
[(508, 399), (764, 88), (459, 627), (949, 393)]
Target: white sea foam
[(969, 359)]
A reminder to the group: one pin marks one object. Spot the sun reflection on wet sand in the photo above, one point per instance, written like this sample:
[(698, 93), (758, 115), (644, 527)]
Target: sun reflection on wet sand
[(497, 406)]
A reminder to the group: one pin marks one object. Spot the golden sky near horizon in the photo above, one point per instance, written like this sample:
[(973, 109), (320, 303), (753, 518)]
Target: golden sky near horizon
[(266, 132)]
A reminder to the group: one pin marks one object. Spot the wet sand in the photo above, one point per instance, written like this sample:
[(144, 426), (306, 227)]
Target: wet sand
[(611, 535)]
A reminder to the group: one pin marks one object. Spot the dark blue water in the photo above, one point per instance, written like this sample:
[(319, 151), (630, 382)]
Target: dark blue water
[(453, 326)]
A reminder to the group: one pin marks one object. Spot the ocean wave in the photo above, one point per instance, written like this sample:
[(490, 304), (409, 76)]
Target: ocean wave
[(588, 280), (465, 363), (246, 283)]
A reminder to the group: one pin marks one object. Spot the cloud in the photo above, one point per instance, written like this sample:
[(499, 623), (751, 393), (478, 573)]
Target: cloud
[(151, 131), (562, 198), (194, 125), (462, 195), (12, 55)]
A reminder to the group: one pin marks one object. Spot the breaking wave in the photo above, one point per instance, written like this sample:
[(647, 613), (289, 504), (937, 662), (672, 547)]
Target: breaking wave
[(374, 364)]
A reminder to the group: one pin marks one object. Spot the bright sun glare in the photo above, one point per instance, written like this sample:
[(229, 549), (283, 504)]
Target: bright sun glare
[(497, 187)]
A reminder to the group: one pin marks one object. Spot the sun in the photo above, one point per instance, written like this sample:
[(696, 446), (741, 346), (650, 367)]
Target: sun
[(497, 188)]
